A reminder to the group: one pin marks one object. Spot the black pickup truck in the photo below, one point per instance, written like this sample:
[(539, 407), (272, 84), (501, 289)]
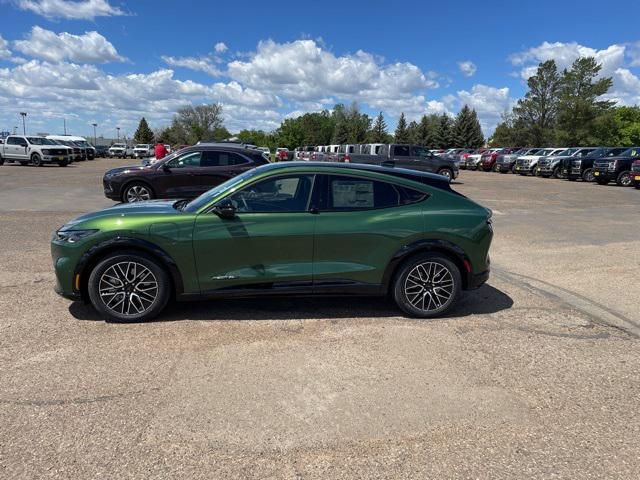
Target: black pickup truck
[(617, 169), (413, 157), (574, 168)]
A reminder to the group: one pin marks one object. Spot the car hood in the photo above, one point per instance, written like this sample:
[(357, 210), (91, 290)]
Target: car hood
[(150, 207), (132, 168)]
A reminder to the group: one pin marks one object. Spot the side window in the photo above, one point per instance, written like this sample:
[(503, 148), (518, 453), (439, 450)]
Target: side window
[(351, 193), (282, 194), (401, 151), (188, 160), (421, 152)]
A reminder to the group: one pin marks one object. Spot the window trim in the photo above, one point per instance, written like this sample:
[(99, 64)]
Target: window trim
[(310, 199), (323, 203)]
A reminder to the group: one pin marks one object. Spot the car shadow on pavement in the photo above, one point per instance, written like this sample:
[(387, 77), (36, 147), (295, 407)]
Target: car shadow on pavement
[(485, 300)]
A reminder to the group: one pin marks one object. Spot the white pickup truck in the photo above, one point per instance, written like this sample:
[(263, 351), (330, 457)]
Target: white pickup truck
[(33, 150), (143, 150), (121, 150)]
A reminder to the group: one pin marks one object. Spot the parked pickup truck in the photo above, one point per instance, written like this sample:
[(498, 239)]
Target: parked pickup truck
[(575, 168), (121, 150), (33, 150), (635, 172), (143, 150), (617, 168), (413, 157), (528, 164)]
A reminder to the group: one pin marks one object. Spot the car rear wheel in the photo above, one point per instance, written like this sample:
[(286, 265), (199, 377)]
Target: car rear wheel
[(137, 192), (624, 179), (427, 285), (446, 172), (129, 287)]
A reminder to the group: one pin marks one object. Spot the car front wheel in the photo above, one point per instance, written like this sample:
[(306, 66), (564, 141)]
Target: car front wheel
[(427, 285), (129, 287), (588, 176), (624, 179), (137, 192)]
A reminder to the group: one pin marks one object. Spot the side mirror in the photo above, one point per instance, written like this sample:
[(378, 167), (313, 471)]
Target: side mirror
[(225, 209)]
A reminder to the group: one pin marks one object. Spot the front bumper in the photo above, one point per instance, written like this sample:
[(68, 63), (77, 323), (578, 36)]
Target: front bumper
[(545, 170), (55, 158), (111, 190), (603, 175), (524, 169)]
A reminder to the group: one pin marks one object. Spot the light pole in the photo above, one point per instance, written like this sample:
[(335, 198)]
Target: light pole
[(95, 138), (15, 130), (64, 119), (118, 129), (24, 125)]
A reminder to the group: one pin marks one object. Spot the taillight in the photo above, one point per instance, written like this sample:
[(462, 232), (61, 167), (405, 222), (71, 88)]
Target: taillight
[(347, 158)]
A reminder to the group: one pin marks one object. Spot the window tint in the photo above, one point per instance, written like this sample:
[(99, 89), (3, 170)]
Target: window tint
[(421, 152), (188, 160), (16, 141), (282, 194), (212, 158), (350, 193), (401, 151)]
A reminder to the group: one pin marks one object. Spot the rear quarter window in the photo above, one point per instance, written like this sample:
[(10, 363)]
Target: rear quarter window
[(352, 193)]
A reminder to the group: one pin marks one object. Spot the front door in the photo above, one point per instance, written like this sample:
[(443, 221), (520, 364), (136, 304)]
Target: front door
[(179, 178), (269, 243)]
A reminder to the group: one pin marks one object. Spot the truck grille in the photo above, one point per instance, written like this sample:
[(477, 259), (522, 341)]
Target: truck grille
[(602, 165)]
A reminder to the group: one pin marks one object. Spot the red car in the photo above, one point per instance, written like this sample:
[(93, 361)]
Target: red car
[(488, 158)]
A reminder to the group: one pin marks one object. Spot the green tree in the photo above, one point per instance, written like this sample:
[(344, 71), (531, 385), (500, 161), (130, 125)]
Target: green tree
[(143, 133), (427, 130), (579, 103), (402, 132), (413, 132), (537, 111), (467, 131), (358, 124), (378, 133), (444, 132)]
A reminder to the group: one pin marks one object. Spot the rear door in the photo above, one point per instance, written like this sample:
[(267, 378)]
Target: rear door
[(217, 167)]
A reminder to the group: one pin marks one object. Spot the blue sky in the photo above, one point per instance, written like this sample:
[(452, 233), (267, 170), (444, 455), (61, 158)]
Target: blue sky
[(111, 61)]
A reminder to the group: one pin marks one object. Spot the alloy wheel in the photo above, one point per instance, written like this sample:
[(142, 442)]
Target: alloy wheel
[(429, 286), (138, 193), (625, 180), (128, 288)]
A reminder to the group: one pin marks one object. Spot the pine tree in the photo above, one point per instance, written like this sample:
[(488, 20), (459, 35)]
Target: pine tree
[(444, 132), (402, 133), (579, 104), (427, 130), (477, 137), (143, 133), (378, 133), (538, 109), (413, 132)]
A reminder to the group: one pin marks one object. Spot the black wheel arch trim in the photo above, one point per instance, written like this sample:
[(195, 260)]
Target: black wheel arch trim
[(453, 251), (98, 251)]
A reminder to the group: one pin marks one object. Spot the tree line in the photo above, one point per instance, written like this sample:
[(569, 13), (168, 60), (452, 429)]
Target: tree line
[(566, 109)]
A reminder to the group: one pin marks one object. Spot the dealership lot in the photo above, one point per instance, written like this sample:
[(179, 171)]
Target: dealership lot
[(535, 374)]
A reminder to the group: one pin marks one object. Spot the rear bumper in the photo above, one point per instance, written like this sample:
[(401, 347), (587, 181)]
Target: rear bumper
[(478, 279)]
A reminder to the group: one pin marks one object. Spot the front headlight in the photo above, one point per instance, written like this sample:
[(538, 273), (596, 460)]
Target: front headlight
[(45, 152), (73, 236)]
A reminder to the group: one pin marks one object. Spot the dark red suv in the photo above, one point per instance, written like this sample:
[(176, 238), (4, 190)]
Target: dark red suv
[(184, 174)]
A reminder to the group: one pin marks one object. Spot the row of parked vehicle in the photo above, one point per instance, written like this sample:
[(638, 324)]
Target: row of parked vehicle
[(39, 150), (589, 164)]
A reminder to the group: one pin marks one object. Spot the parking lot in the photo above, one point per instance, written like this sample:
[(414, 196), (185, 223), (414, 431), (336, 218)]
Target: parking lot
[(534, 375)]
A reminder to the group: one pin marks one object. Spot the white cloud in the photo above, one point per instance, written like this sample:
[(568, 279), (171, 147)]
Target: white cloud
[(88, 48), (488, 102), (468, 68), (70, 10), (303, 71), (201, 64), (220, 47), (5, 53)]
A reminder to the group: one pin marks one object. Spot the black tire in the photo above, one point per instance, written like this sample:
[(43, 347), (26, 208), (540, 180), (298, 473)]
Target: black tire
[(624, 179), (601, 181), (496, 167), (513, 168), (36, 161), (24, 163), (446, 172), (116, 302), (1, 161), (556, 173), (587, 175), (135, 190), (425, 291)]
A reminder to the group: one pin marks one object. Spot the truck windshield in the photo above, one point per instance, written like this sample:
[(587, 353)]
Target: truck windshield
[(631, 152), (40, 141)]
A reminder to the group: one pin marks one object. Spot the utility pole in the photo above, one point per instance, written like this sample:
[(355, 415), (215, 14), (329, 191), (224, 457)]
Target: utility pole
[(118, 129), (95, 138), (64, 119), (15, 130), (24, 125)]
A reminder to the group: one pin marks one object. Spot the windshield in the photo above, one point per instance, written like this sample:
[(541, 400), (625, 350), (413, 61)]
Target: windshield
[(209, 195), (142, 146), (118, 145), (40, 141), (82, 143), (565, 153), (631, 152)]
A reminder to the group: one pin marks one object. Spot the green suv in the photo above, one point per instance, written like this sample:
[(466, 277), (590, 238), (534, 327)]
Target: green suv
[(281, 229)]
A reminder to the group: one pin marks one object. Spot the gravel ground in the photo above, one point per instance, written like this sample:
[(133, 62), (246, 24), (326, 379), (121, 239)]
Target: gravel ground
[(535, 375)]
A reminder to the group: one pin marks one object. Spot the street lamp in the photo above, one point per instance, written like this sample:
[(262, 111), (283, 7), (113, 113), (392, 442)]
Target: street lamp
[(24, 125), (95, 138), (15, 130), (118, 129)]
